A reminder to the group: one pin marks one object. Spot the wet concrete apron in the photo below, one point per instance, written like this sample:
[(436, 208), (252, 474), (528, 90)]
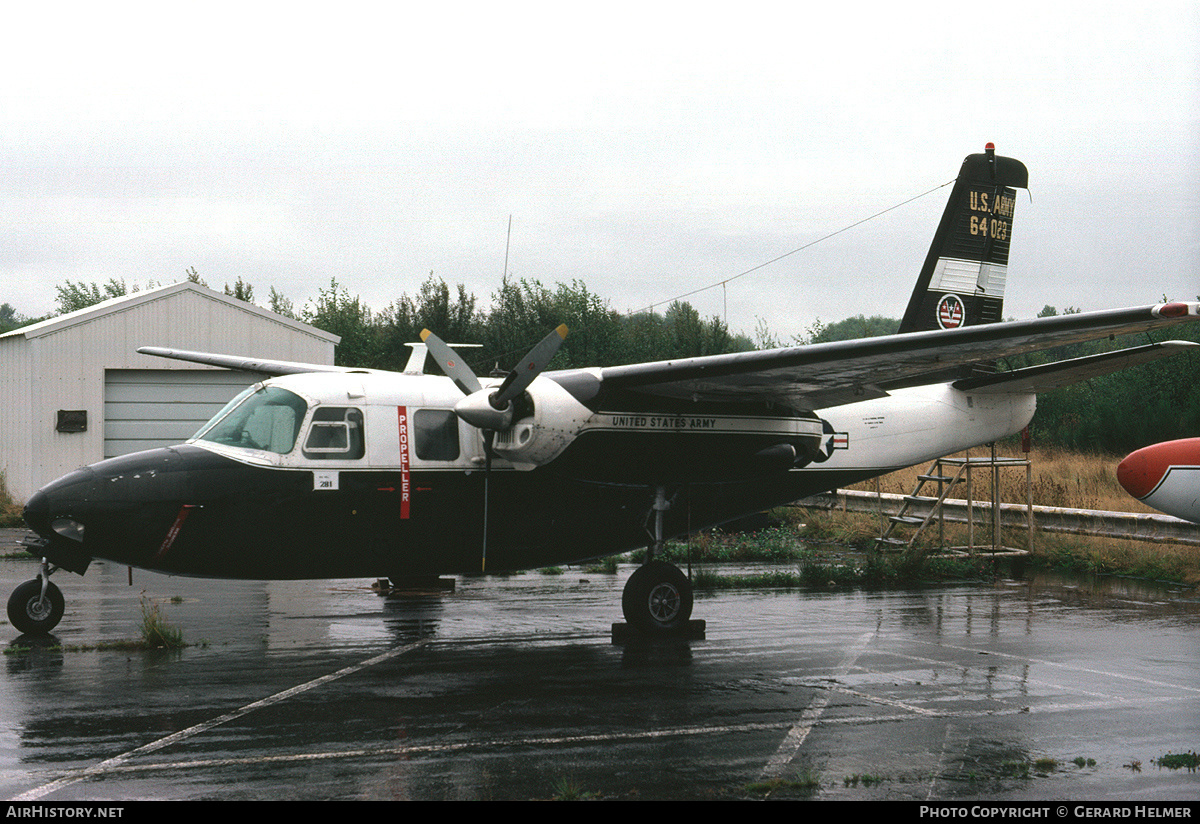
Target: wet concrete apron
[(511, 688)]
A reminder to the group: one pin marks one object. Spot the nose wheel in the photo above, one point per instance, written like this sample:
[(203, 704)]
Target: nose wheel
[(36, 607)]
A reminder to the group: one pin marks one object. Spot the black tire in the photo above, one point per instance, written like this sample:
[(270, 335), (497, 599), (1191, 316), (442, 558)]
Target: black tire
[(657, 598), (33, 614)]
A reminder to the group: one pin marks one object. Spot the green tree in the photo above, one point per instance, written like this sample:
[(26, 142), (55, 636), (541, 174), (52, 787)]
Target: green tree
[(595, 329), (11, 319), (454, 319), (241, 290), (853, 328), (337, 312), (73, 296), (280, 305)]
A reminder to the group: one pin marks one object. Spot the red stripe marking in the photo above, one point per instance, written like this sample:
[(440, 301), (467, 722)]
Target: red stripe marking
[(405, 488), (173, 532)]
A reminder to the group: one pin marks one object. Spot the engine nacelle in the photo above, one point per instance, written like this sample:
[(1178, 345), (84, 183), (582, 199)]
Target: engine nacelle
[(538, 438)]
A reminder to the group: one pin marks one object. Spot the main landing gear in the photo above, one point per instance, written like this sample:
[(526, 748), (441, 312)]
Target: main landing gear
[(657, 599), (36, 607)]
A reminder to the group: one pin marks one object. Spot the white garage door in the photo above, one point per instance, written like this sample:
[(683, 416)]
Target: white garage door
[(146, 408)]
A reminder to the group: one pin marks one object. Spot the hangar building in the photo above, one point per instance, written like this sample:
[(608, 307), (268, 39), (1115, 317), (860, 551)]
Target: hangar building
[(75, 390)]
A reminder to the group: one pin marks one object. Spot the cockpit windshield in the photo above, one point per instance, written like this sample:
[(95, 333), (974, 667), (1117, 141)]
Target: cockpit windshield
[(262, 417)]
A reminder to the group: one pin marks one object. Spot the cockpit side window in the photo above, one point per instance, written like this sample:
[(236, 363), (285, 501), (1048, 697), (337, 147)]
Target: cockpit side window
[(336, 433), (267, 418), (436, 434)]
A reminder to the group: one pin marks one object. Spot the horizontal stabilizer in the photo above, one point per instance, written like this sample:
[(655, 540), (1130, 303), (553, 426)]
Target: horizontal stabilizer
[(1049, 376)]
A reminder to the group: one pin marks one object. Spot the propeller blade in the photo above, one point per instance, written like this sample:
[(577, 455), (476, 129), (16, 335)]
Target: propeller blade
[(530, 367), (451, 363)]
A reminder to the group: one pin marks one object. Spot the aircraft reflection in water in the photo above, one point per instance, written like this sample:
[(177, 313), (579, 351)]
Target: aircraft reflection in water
[(328, 472), (1165, 476)]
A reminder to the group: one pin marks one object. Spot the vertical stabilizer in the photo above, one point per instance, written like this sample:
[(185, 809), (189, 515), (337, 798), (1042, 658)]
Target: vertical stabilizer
[(962, 281)]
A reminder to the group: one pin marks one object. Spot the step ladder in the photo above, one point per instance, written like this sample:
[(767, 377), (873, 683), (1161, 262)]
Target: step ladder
[(939, 473), (888, 542)]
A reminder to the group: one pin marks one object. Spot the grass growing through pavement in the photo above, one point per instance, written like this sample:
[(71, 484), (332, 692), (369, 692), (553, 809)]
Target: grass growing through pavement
[(805, 785), (156, 632), (1184, 760)]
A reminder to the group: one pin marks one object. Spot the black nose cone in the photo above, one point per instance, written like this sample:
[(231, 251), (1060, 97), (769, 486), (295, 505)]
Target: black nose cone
[(37, 513)]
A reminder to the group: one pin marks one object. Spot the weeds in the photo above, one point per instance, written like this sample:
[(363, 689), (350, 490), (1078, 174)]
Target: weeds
[(1045, 765), (1015, 769), (10, 510), (568, 789), (607, 566), (156, 632), (774, 544), (1174, 761), (803, 786)]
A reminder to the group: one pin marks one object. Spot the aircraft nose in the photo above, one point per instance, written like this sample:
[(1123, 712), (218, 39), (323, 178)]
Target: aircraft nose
[(1141, 472), (36, 513), (1144, 471), (49, 511)]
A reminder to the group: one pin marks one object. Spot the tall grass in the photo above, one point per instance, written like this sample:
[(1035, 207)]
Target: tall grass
[(1062, 478), (10, 510), (156, 632)]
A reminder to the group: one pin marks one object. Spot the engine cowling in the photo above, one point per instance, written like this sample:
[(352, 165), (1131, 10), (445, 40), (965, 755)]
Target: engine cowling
[(545, 423)]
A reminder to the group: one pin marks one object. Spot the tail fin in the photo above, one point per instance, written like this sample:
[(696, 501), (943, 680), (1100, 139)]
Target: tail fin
[(962, 281)]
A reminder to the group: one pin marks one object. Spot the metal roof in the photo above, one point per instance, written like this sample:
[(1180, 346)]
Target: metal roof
[(136, 299)]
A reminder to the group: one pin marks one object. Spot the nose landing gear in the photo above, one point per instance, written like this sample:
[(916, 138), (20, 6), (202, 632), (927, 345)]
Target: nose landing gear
[(35, 607)]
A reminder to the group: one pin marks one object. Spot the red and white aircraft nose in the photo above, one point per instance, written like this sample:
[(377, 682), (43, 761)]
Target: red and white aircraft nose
[(1165, 476)]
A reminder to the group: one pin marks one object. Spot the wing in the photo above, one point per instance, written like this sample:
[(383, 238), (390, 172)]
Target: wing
[(830, 374), (263, 367)]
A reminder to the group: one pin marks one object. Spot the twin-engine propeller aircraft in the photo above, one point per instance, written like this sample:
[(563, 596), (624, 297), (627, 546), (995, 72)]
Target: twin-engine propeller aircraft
[(328, 472), (1165, 476)]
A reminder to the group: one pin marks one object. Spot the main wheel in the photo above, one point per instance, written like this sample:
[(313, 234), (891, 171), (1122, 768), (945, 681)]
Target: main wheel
[(657, 598), (33, 613)]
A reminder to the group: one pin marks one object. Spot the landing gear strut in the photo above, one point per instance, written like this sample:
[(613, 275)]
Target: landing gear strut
[(36, 607), (658, 597)]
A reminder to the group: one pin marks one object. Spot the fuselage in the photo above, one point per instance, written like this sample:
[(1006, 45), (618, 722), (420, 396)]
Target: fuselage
[(373, 474)]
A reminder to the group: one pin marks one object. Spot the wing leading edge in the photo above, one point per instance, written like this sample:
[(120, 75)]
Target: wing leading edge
[(822, 375), (262, 366)]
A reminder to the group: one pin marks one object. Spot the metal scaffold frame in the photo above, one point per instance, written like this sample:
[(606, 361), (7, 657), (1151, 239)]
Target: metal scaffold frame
[(965, 474)]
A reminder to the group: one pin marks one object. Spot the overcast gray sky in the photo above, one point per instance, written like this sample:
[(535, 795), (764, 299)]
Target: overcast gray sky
[(647, 149)]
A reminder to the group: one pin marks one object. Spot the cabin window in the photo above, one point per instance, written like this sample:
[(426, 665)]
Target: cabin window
[(265, 417), (336, 433), (436, 432)]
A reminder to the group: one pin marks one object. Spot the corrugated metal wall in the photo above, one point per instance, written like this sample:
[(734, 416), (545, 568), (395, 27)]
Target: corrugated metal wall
[(62, 365)]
